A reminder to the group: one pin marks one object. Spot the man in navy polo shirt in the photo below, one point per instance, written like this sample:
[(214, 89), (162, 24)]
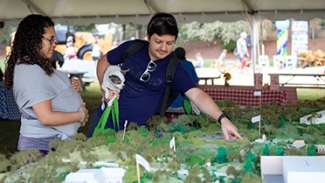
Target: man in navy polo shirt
[(145, 80)]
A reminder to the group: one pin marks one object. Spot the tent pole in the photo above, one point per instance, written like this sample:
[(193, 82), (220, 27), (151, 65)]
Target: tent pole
[(255, 39)]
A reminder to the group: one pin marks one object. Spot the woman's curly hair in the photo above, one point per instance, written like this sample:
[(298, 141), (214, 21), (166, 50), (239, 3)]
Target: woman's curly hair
[(27, 45)]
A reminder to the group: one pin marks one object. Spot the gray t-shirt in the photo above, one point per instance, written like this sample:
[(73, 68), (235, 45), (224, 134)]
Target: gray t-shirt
[(31, 86)]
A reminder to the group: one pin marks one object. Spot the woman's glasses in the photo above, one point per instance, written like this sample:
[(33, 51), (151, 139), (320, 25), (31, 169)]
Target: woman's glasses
[(146, 74), (50, 40)]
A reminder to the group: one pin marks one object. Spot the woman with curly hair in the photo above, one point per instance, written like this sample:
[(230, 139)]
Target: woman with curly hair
[(50, 107)]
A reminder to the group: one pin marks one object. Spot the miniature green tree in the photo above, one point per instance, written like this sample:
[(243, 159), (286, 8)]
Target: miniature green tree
[(250, 156), (222, 155), (266, 150), (235, 180), (222, 179), (248, 166), (282, 120), (146, 177), (311, 150), (279, 151)]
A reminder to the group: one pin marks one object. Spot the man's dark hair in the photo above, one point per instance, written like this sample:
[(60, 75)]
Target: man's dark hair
[(162, 24), (27, 44)]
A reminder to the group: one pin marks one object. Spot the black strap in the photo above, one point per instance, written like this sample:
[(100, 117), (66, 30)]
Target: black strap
[(170, 73), (223, 115), (136, 46)]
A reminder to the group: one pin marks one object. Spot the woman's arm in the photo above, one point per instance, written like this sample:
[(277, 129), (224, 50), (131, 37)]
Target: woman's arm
[(47, 116)]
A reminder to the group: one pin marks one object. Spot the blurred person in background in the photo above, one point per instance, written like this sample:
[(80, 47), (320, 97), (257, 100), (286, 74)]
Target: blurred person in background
[(241, 50)]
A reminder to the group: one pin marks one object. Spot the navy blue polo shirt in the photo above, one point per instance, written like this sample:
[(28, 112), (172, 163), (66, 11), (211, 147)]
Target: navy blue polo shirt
[(140, 100)]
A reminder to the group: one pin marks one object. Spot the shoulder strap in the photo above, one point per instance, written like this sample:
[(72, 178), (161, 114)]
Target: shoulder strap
[(133, 48), (170, 73)]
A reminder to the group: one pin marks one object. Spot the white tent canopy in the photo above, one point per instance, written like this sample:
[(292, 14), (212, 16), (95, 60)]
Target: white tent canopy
[(137, 11)]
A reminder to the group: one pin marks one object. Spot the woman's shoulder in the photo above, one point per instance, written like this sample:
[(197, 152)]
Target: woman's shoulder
[(31, 70), (28, 67)]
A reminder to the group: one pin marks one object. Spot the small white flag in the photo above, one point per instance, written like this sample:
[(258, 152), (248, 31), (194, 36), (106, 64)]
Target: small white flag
[(172, 144), (257, 93), (125, 125), (264, 137), (256, 119), (143, 162)]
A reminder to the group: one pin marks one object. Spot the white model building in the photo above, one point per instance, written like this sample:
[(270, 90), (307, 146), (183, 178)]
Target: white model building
[(101, 175), (293, 169)]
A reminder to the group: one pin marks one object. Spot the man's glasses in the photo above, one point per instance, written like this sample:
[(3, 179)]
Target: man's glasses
[(52, 40), (146, 74)]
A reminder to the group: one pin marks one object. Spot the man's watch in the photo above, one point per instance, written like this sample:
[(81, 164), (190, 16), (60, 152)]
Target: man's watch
[(223, 115)]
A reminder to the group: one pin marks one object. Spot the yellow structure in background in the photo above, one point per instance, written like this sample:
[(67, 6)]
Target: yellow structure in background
[(312, 58), (82, 38)]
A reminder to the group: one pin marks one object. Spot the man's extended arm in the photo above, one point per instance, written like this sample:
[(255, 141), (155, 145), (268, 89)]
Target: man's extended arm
[(208, 106)]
